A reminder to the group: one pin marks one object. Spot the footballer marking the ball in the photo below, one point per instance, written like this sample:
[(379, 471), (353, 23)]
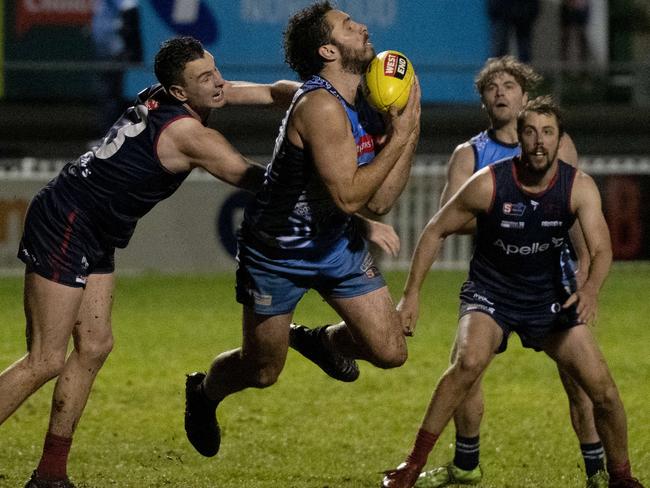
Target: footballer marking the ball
[(388, 80)]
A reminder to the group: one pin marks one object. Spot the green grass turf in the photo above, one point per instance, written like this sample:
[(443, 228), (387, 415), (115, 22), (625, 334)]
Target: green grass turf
[(308, 430)]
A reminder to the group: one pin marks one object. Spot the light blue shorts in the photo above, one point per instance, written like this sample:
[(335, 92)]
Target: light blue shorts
[(273, 285)]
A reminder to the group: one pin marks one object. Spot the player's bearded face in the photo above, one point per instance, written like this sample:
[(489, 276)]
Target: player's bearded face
[(355, 60), (540, 142)]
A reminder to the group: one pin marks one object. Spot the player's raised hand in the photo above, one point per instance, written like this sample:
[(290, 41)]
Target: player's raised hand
[(405, 123), (408, 311)]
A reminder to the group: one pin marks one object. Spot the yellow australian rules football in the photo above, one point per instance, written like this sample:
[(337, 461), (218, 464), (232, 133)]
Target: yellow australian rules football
[(387, 81)]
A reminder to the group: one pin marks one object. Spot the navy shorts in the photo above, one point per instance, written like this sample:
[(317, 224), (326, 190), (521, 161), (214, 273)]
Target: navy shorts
[(274, 285), (58, 243), (533, 323)]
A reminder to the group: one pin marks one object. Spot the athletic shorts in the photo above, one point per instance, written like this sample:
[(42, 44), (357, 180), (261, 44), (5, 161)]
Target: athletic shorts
[(274, 285), (533, 323), (58, 243)]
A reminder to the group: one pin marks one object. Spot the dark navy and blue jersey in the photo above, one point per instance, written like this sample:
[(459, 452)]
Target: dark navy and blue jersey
[(294, 210), (488, 149), (522, 237), (121, 180)]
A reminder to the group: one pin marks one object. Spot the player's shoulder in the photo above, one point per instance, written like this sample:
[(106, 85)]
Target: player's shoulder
[(583, 179), (316, 107), (182, 126), (477, 192), (319, 97), (462, 159), (187, 135)]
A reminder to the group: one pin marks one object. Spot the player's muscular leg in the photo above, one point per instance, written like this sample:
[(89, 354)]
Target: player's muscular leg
[(257, 363), (469, 414), (577, 353), (93, 342), (373, 331), (477, 340), (581, 410), (51, 311)]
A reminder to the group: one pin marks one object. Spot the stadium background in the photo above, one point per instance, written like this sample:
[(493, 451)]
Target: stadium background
[(49, 105), (308, 430)]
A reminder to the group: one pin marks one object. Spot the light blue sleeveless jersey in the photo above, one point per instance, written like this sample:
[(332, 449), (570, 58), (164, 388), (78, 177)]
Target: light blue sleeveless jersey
[(489, 150), (294, 210)]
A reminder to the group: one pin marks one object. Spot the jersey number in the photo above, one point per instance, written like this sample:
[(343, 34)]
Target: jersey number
[(128, 128)]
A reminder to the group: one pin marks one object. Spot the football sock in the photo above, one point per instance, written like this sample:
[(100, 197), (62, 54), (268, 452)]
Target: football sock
[(424, 442), (594, 456), (54, 461), (619, 471), (467, 452)]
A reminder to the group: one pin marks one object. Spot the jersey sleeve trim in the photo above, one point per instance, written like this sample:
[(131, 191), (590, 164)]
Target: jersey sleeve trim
[(572, 180)]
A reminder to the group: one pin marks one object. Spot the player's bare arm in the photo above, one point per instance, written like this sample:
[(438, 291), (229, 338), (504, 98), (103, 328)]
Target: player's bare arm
[(459, 169), (334, 151), (474, 197), (393, 186), (279, 93), (585, 200), (186, 144)]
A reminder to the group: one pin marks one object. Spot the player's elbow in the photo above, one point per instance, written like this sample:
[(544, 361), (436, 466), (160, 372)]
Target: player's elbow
[(379, 208), (350, 206)]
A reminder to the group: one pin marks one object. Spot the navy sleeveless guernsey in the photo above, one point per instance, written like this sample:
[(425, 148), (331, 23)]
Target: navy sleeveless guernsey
[(521, 239), (121, 180)]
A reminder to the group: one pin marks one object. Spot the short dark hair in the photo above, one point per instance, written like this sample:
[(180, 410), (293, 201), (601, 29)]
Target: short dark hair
[(306, 31), (172, 57), (526, 77), (541, 105)]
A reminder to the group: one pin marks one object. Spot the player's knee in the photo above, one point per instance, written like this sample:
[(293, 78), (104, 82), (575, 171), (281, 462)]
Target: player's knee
[(95, 349), (390, 357), (469, 366), (265, 376)]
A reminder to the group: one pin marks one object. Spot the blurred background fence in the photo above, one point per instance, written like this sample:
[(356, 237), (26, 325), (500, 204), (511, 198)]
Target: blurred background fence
[(61, 75), (194, 231)]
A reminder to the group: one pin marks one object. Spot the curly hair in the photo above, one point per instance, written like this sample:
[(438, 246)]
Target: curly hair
[(541, 105), (526, 76), (172, 57), (306, 31)]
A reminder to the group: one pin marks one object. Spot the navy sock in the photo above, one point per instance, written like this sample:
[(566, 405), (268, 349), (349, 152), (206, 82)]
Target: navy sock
[(594, 456), (467, 452)]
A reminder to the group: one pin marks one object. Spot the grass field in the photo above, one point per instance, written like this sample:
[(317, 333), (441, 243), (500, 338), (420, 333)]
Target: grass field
[(308, 430)]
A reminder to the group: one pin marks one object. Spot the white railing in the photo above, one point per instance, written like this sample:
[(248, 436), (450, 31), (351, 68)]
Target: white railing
[(20, 178)]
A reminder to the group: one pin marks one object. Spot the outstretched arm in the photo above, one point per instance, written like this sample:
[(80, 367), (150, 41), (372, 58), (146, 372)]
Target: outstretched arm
[(186, 144), (279, 93), (459, 169), (474, 197), (585, 199)]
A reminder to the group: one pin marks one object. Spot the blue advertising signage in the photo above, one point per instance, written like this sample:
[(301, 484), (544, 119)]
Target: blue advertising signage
[(445, 39)]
